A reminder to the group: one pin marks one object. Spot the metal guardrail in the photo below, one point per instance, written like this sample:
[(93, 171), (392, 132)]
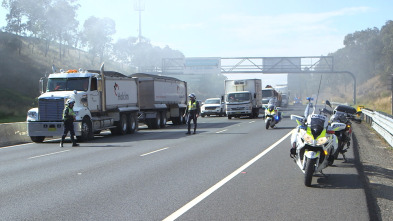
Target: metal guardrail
[(380, 122)]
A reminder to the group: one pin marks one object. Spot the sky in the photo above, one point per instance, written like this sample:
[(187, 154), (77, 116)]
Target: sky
[(245, 28), (241, 28)]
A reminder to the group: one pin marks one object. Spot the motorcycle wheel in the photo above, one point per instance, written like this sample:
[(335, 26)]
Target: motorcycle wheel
[(267, 124), (310, 168), (339, 149)]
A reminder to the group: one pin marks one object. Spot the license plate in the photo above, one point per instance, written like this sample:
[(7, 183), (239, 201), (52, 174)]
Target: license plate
[(52, 129)]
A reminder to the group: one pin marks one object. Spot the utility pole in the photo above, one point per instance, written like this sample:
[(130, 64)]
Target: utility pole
[(139, 6)]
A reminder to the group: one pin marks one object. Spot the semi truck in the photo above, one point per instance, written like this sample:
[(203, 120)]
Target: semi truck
[(269, 93), (103, 100), (243, 97)]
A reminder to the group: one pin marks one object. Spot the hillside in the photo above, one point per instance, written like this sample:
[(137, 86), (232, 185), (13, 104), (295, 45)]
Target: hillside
[(24, 61), (373, 94)]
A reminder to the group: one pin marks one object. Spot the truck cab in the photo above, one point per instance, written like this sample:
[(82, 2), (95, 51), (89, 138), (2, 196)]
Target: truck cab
[(268, 94), (239, 104), (103, 100)]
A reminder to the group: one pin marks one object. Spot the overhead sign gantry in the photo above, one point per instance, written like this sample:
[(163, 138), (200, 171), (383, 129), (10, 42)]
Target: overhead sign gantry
[(254, 65)]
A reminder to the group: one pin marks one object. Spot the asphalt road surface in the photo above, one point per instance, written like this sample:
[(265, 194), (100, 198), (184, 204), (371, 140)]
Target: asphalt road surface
[(230, 170)]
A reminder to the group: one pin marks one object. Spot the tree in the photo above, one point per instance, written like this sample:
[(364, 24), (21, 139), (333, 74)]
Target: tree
[(98, 35), (15, 16), (61, 21), (387, 51), (123, 50)]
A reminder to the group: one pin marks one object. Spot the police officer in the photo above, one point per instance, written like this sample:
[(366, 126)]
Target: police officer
[(68, 119), (192, 112)]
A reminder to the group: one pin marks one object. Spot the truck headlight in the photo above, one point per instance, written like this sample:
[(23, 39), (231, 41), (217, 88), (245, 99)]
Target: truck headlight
[(32, 115)]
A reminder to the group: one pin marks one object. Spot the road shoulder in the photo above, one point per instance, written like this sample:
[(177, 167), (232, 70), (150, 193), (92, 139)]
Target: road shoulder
[(376, 164)]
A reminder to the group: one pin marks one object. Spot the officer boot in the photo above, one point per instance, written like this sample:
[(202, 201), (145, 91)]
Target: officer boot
[(189, 129), (195, 129), (74, 144), (62, 141)]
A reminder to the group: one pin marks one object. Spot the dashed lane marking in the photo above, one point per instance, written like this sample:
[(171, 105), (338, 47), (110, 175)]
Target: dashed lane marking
[(49, 154), (154, 151)]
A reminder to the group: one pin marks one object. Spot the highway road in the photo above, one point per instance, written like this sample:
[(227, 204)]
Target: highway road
[(230, 170)]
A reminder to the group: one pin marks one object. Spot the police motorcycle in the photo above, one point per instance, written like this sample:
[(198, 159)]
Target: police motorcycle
[(314, 142), (344, 114), (272, 115)]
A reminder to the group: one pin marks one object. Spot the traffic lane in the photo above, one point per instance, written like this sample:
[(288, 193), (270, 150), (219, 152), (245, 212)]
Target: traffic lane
[(13, 160), (106, 183), (273, 189)]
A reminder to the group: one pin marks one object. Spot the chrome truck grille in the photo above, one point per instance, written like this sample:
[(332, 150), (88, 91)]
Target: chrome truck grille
[(51, 109)]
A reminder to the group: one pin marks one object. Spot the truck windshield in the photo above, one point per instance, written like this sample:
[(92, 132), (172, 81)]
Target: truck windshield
[(238, 97), (267, 93), (68, 84)]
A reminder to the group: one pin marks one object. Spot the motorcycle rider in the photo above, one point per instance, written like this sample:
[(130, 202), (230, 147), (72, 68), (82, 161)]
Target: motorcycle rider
[(192, 111), (69, 118), (272, 109)]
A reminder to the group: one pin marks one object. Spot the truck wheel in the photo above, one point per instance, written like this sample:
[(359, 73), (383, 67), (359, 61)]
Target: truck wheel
[(229, 117), (132, 124), (37, 139), (157, 121), (123, 125), (163, 119), (86, 130)]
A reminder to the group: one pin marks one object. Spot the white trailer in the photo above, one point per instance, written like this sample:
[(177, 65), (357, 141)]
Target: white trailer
[(103, 100), (243, 97), (162, 99)]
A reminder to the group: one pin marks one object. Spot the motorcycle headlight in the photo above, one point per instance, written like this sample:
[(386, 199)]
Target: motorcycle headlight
[(308, 139), (321, 141)]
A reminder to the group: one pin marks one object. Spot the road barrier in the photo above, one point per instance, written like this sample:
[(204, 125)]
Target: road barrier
[(381, 122), (13, 133)]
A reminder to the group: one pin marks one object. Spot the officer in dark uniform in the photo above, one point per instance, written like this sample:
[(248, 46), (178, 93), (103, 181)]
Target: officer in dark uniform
[(192, 112), (68, 119)]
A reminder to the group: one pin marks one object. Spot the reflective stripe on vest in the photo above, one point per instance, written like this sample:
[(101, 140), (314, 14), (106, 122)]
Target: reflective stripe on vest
[(192, 106)]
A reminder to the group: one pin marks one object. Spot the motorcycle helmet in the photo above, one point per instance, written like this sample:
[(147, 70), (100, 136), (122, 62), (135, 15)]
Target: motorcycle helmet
[(192, 95), (70, 101), (271, 108)]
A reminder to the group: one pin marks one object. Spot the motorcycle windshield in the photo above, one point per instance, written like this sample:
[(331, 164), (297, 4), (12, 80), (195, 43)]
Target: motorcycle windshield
[(316, 126), (339, 117)]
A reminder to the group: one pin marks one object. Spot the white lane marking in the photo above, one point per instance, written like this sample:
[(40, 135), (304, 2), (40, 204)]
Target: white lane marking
[(154, 152), (212, 189), (25, 144), (221, 131), (19, 145), (44, 155), (251, 122)]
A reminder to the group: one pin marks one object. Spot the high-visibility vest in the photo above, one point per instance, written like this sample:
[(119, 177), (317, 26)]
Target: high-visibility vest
[(71, 113), (192, 106)]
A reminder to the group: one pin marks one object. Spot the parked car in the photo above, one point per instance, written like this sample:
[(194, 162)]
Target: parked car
[(213, 106)]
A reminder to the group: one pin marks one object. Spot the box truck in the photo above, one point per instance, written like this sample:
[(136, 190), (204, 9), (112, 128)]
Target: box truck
[(243, 97)]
